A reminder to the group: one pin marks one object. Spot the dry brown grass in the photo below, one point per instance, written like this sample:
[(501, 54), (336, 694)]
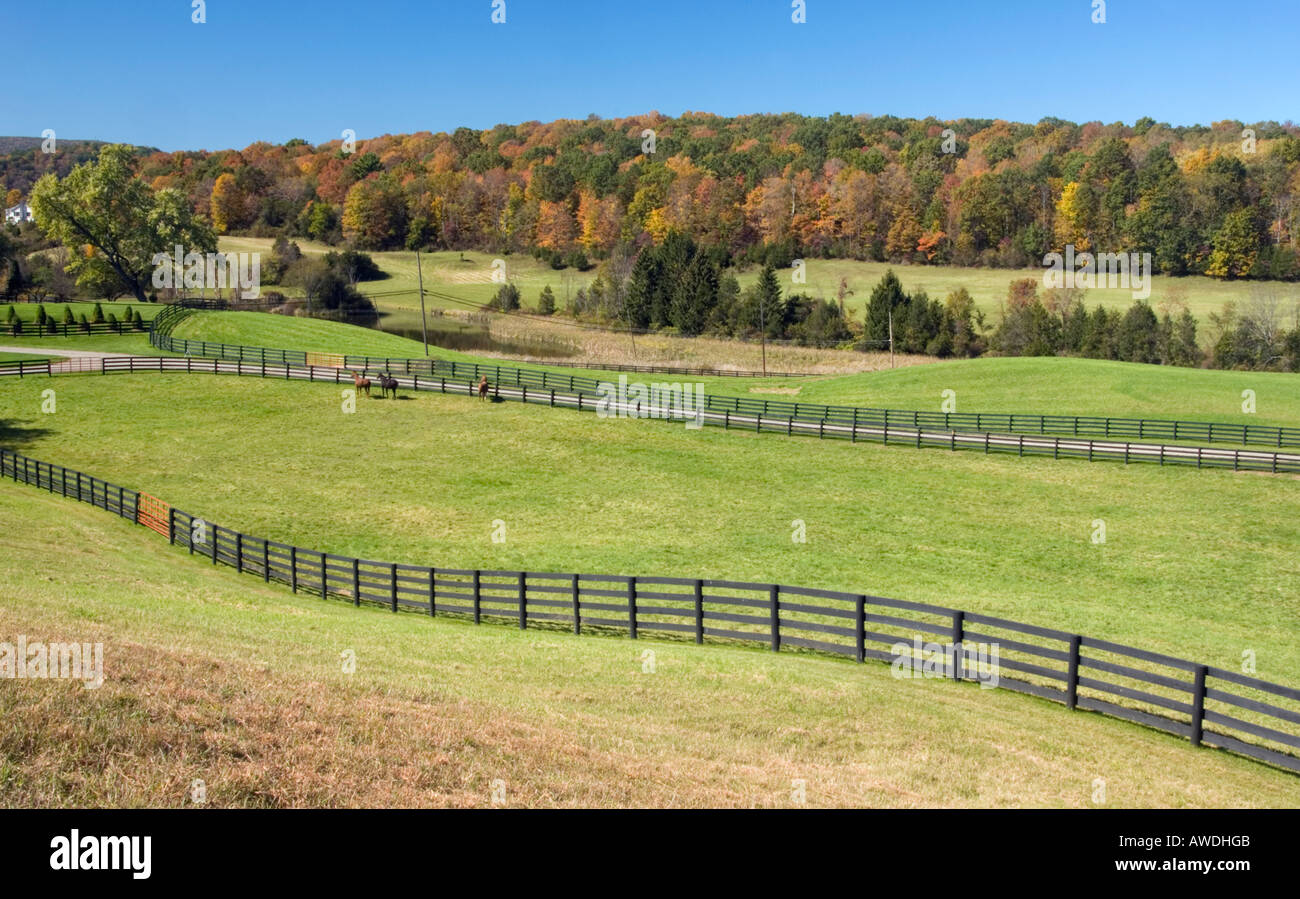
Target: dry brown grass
[(165, 718), (592, 345)]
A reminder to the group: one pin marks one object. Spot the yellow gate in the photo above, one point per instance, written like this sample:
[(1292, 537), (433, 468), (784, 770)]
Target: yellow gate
[(325, 360)]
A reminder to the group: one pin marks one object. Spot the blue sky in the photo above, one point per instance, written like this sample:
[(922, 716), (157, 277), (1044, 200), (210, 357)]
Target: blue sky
[(142, 72)]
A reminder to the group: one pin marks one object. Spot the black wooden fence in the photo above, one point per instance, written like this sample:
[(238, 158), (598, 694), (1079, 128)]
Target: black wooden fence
[(1206, 705), (847, 416), (51, 328), (672, 408)]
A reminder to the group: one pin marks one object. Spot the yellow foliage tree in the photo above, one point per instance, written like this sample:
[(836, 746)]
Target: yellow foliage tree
[(1071, 219), (227, 204)]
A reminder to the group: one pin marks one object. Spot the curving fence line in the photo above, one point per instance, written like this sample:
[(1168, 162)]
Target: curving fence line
[(845, 416), (176, 312), (670, 406), (1206, 705)]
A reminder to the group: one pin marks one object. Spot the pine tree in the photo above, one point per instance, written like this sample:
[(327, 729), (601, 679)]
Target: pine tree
[(1184, 348), (546, 302), (641, 285), (770, 304), (886, 297), (695, 296)]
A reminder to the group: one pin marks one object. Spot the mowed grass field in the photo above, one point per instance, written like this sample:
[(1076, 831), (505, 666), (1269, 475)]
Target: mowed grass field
[(1052, 386), (1197, 564), (467, 277), (124, 344), (300, 333), (214, 676)]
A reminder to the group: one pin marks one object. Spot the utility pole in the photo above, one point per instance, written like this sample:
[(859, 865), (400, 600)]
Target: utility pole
[(424, 322), (891, 338), (762, 328)]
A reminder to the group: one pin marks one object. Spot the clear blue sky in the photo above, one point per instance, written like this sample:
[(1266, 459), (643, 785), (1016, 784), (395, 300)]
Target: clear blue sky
[(141, 72)]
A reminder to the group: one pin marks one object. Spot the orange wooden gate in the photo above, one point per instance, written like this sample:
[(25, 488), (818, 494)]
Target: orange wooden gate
[(155, 514)]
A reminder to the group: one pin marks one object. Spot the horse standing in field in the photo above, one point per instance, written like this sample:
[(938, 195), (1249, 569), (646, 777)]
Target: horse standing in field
[(362, 384), (387, 383), (482, 387)]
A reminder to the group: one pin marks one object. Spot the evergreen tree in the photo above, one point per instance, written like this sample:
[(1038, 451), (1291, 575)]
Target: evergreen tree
[(695, 296), (506, 299), (770, 306), (886, 297), (546, 302), (1136, 338), (641, 284), (1184, 349)]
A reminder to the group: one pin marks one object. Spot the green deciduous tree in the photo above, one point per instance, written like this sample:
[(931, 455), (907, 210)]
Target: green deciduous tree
[(113, 223)]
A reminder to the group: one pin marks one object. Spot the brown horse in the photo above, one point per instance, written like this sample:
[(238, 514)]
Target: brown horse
[(362, 384), (482, 387)]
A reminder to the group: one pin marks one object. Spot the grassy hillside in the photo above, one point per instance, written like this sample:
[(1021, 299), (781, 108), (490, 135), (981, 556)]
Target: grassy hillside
[(214, 676), (1059, 386), (294, 333), (524, 337), (1197, 564), (468, 277)]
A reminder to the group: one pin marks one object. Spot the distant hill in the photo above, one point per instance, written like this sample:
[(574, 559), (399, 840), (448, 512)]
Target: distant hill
[(1221, 200), (22, 162)]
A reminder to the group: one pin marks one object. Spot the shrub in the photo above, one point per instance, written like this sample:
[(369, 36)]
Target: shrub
[(98, 315), (577, 259)]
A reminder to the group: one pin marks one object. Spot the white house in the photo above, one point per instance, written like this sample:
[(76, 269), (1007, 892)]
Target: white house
[(20, 213)]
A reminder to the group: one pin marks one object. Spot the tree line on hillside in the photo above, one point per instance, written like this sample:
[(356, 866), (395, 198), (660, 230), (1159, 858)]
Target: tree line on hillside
[(682, 288), (678, 289), (107, 224), (1262, 334), (1217, 200)]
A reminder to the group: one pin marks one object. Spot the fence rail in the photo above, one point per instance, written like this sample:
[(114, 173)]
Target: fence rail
[(668, 408), (969, 422), (1206, 705)]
